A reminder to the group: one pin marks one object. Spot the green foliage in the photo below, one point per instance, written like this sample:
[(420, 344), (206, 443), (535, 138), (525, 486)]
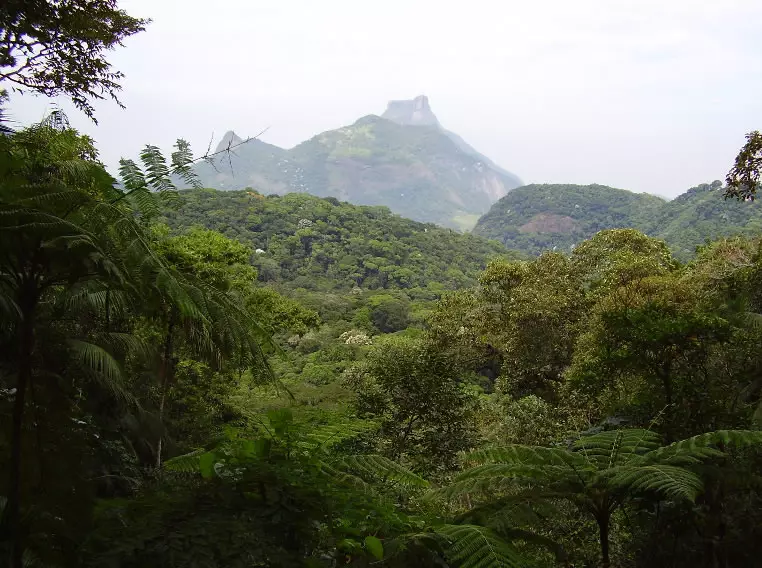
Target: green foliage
[(536, 218), (140, 390), (700, 215), (654, 329), (42, 48), (469, 546), (598, 474), (318, 243), (743, 178), (84, 284), (413, 390)]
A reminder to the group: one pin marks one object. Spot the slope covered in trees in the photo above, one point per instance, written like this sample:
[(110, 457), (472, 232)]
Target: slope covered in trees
[(539, 412), (535, 218), (162, 403), (309, 242)]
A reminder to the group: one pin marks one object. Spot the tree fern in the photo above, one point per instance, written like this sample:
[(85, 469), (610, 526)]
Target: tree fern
[(598, 473)]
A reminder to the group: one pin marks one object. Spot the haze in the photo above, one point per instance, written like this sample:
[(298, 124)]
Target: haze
[(645, 95)]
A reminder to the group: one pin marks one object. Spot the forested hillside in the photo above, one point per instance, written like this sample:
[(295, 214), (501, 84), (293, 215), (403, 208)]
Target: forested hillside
[(226, 379), (702, 214), (535, 218), (309, 242)]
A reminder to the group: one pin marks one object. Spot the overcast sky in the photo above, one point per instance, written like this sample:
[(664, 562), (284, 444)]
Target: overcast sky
[(647, 95)]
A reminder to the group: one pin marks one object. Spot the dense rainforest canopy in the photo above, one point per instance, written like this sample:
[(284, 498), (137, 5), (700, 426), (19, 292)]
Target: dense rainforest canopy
[(539, 217), (204, 379)]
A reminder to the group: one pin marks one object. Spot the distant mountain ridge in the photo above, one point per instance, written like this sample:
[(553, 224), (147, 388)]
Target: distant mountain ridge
[(404, 160), (538, 217)]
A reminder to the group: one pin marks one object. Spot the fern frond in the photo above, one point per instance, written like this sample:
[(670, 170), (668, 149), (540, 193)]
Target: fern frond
[(375, 467), (471, 546), (515, 471), (346, 479), (186, 463), (145, 202), (65, 198), (157, 173), (475, 486), (703, 446), (326, 436), (667, 481), (616, 446), (517, 454), (182, 161), (525, 508), (132, 175), (499, 479)]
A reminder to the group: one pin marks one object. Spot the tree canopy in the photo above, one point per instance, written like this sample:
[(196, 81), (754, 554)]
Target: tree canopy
[(58, 47)]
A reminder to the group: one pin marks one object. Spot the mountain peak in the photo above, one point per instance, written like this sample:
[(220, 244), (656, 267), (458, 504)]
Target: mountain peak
[(230, 139), (416, 112)]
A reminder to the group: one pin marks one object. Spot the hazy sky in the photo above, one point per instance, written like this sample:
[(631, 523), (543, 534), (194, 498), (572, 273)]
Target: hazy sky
[(648, 95)]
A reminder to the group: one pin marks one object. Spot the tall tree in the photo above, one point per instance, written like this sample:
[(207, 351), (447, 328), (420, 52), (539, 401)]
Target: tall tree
[(415, 392), (743, 178), (599, 474), (63, 244)]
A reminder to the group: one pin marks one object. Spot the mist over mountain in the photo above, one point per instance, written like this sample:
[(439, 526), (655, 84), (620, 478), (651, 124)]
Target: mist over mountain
[(403, 159)]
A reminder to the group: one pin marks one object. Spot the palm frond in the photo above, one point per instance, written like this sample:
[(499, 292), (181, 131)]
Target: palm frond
[(101, 366)]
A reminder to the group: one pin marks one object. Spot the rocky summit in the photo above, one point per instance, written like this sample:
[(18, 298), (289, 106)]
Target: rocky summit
[(404, 160)]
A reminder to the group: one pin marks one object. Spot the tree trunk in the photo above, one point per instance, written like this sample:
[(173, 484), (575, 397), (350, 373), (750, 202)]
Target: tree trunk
[(603, 530), (164, 380), (13, 506)]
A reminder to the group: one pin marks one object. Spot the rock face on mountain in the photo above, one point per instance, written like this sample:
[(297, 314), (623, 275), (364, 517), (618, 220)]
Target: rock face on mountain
[(416, 112), (535, 218), (404, 160), (228, 141)]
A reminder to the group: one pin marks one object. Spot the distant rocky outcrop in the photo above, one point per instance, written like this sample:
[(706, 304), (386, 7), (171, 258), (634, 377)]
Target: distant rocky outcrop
[(404, 160), (228, 141), (416, 112)]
